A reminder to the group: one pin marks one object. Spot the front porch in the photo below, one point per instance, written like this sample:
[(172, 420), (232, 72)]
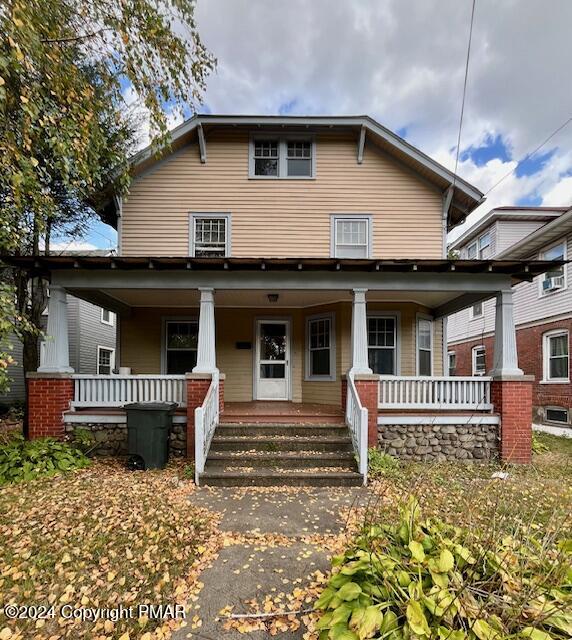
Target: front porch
[(364, 337)]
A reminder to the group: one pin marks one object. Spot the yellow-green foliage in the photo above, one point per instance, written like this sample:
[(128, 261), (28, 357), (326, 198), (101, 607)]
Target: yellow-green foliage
[(427, 580)]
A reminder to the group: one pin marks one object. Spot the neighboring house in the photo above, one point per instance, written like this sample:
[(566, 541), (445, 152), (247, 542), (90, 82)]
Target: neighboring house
[(91, 333), (292, 270), (542, 307)]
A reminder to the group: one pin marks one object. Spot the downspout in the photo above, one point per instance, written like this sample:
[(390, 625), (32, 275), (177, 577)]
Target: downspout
[(447, 198), (118, 200)]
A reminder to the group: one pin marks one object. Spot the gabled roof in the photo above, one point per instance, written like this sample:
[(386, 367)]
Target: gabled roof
[(465, 199), (533, 243), (540, 214)]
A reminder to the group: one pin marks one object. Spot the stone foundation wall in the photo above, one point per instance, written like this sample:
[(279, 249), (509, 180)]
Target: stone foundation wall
[(112, 438), (440, 442)]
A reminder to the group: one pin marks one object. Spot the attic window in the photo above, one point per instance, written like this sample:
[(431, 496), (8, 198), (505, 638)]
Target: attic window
[(281, 157)]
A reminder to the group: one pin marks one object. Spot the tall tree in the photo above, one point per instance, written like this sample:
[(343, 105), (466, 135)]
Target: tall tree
[(65, 131)]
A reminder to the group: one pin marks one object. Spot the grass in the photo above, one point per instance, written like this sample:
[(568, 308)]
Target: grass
[(100, 538)]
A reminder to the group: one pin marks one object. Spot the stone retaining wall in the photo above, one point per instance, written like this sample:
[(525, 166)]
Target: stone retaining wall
[(440, 442), (112, 438)]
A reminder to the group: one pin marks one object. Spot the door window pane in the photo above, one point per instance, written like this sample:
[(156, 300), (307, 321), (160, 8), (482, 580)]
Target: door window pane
[(272, 371), (272, 341)]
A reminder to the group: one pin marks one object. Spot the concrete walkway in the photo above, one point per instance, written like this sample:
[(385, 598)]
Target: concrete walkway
[(278, 540)]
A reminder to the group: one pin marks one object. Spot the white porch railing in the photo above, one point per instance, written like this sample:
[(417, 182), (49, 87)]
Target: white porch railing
[(450, 392), (206, 421), (356, 420), (117, 391)]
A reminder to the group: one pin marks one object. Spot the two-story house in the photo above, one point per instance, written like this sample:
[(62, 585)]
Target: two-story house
[(542, 307), (291, 271)]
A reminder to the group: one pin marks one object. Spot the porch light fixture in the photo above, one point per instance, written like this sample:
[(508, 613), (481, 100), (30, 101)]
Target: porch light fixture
[(272, 297)]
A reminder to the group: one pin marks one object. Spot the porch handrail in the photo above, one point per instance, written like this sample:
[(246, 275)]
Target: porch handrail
[(117, 390), (206, 421), (441, 392), (356, 420)]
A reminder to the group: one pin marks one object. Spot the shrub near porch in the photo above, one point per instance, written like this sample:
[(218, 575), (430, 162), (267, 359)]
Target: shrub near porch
[(100, 538)]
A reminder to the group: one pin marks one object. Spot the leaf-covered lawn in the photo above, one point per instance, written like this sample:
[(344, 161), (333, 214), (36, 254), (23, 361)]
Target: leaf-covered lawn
[(100, 538)]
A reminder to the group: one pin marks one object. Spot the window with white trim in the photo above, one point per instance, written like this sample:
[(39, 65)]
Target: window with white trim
[(477, 310), (351, 236), (320, 345), (554, 279), (181, 340), (424, 347), (452, 363), (107, 317), (382, 344), (210, 235), (282, 157), (556, 356), (479, 360), (105, 361), (480, 249), (557, 414)]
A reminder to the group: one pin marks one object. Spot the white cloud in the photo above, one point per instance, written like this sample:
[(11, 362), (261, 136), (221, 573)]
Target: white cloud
[(74, 245), (402, 62)]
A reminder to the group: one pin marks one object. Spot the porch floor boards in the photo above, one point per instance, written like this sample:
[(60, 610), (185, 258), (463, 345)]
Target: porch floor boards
[(260, 412)]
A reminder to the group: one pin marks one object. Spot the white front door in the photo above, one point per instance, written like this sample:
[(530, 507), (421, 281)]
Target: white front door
[(272, 373)]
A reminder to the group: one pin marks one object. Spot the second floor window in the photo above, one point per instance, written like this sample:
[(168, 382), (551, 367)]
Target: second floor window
[(351, 237), (210, 236), (477, 310), (481, 248), (266, 158), (554, 280), (107, 317)]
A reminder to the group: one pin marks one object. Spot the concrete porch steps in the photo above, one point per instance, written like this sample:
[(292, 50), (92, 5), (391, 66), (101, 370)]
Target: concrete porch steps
[(275, 454)]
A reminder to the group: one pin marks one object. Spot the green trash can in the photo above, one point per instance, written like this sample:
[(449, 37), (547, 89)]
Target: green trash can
[(148, 428)]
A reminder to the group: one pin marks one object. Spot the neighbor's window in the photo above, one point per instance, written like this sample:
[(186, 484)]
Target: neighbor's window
[(477, 310), (299, 159), (105, 361), (320, 341), (481, 248), (351, 237), (382, 344), (424, 347), (554, 279), (181, 338), (452, 361), (556, 356), (556, 414), (266, 158), (472, 251), (107, 317), (479, 361), (282, 157), (210, 236)]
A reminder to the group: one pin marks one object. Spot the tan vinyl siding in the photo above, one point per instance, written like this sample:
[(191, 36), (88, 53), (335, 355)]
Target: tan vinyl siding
[(141, 345), (282, 217)]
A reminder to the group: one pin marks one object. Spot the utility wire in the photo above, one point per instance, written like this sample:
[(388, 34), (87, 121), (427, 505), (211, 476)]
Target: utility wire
[(530, 154), (464, 92)]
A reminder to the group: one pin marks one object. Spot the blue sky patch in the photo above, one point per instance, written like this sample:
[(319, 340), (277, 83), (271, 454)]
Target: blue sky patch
[(494, 147), (529, 200), (533, 164), (287, 107), (402, 132)]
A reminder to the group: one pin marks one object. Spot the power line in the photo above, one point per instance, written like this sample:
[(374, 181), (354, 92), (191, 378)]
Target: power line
[(464, 92), (530, 154)]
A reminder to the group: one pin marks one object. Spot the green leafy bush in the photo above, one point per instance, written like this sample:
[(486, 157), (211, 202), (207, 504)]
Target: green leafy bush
[(428, 580), (381, 463), (29, 459), (538, 445), (84, 440)]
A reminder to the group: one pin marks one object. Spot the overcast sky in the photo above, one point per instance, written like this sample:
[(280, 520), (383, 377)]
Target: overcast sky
[(402, 62)]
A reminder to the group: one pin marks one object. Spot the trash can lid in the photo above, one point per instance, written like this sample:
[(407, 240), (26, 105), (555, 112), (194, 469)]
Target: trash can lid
[(152, 406)]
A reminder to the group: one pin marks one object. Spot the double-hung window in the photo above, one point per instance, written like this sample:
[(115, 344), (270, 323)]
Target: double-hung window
[(554, 279), (556, 356), (320, 359), (181, 339), (481, 248), (382, 344), (477, 310), (105, 361), (351, 236), (424, 347), (282, 157), (210, 235), (452, 363), (107, 317), (479, 364)]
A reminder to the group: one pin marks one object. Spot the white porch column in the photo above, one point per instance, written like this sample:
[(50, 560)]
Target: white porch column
[(56, 354), (360, 362), (206, 352), (506, 356)]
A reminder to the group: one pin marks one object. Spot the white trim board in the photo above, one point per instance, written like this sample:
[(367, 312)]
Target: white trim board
[(396, 419), (73, 417)]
